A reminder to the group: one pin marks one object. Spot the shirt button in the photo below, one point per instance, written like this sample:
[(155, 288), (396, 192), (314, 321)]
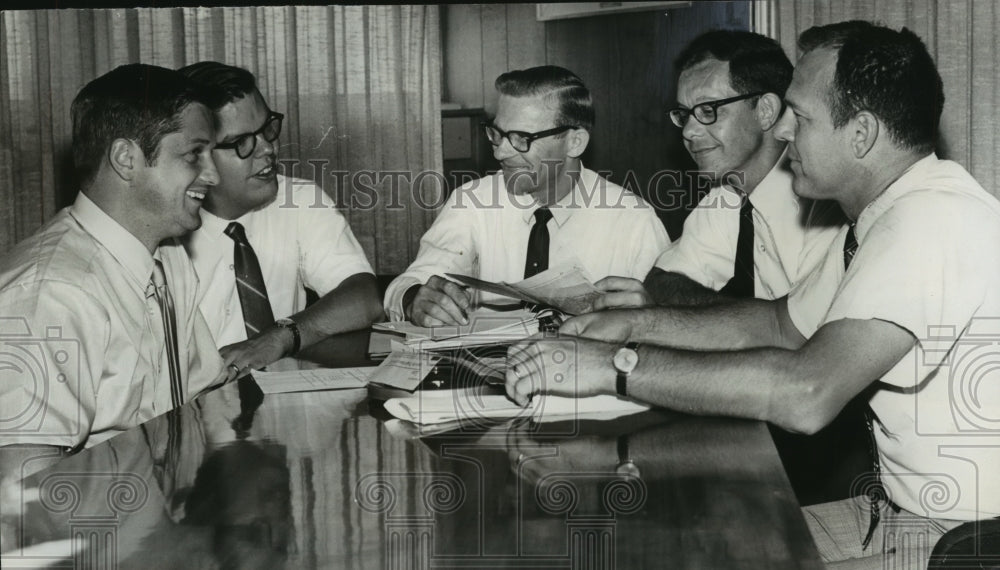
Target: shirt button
[(761, 247), (231, 267)]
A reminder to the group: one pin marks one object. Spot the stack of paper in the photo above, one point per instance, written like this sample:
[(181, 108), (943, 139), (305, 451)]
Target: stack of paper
[(439, 408), (484, 328)]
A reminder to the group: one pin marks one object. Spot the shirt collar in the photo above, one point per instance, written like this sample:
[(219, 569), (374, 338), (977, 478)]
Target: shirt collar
[(895, 190), (119, 242), (212, 225), (771, 195), (572, 201)]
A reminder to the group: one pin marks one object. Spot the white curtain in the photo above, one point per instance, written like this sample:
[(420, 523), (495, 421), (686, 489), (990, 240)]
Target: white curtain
[(359, 86)]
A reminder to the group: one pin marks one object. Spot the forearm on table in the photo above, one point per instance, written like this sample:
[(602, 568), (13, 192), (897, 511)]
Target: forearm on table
[(669, 288), (353, 305), (749, 323)]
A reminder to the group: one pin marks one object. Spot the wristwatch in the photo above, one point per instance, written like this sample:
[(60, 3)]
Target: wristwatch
[(296, 337), (626, 467), (625, 361)]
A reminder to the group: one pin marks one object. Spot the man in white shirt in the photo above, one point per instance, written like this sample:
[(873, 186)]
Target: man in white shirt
[(99, 305), (542, 210), (730, 94), (265, 238), (904, 311)]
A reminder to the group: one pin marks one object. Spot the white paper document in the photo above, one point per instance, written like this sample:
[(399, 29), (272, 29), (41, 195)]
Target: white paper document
[(312, 380), (404, 370), (448, 406), (565, 288)]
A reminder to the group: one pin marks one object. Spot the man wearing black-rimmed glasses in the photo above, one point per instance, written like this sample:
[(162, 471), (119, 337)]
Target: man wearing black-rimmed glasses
[(255, 254), (542, 210), (750, 236)]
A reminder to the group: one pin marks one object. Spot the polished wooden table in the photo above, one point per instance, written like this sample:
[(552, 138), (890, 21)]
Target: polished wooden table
[(237, 479)]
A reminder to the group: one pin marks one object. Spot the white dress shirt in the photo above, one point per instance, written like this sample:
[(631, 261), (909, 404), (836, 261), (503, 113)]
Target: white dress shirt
[(300, 239), (791, 235), (483, 231), (928, 261), (76, 316)]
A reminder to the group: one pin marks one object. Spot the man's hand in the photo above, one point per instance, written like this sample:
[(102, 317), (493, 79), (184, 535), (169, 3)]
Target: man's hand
[(565, 366), (609, 326), (257, 352), (440, 302), (622, 293)]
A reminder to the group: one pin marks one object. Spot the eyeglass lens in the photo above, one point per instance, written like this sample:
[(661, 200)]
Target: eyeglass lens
[(270, 131)]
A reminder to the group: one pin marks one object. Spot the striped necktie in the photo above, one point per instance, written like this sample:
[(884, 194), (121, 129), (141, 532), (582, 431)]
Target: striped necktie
[(158, 289), (257, 314), (876, 492), (741, 286)]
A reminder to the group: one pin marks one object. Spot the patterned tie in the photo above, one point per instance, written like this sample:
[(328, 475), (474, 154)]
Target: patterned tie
[(876, 493), (741, 286), (257, 314), (538, 244), (158, 289)]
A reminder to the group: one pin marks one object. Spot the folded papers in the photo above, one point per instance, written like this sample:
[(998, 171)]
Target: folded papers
[(564, 288), (440, 407)]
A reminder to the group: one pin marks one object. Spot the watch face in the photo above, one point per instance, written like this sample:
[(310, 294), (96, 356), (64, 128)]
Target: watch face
[(625, 360), (628, 469)]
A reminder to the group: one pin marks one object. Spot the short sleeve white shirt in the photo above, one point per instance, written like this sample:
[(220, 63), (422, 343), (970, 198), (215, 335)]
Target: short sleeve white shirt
[(928, 261), (483, 231), (791, 235), (300, 239)]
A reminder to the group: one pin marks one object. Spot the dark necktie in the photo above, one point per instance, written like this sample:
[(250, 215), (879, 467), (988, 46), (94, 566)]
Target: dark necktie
[(257, 314), (158, 289), (741, 286), (876, 492), (538, 244)]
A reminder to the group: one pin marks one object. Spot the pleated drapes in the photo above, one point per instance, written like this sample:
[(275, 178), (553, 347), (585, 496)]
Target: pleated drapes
[(359, 85)]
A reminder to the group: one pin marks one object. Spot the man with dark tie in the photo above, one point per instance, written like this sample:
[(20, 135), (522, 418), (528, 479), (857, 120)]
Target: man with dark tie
[(264, 239), (750, 236), (101, 326), (543, 209), (902, 310)]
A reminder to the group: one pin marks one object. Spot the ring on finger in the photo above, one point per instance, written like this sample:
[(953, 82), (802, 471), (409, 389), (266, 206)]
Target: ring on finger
[(235, 368)]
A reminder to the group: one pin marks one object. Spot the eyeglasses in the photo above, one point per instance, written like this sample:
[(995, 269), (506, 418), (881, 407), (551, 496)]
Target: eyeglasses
[(520, 140), (705, 113), (245, 144)]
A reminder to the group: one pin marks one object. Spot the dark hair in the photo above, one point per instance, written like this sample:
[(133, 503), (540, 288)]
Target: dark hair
[(886, 72), (575, 105), (225, 83), (756, 62), (139, 102)]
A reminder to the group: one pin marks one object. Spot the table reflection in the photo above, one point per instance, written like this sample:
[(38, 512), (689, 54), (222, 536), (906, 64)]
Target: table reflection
[(239, 479)]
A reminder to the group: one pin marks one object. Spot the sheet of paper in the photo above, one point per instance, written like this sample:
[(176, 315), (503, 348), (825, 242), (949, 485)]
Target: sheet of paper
[(312, 380), (480, 321), (565, 288), (451, 406), (404, 370)]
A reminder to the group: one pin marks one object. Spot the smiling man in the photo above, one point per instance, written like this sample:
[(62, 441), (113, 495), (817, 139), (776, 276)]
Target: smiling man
[(266, 237), (543, 209), (101, 301), (750, 236), (902, 310)]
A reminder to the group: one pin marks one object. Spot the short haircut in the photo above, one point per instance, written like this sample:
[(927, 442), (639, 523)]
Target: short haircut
[(139, 102), (886, 72), (576, 108), (756, 63), (225, 83)]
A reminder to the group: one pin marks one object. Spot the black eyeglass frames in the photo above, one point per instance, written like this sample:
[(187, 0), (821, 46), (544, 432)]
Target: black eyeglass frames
[(520, 140), (245, 144), (705, 113)]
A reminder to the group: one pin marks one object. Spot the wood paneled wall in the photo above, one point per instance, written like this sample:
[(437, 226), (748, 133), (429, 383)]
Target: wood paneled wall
[(627, 62)]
